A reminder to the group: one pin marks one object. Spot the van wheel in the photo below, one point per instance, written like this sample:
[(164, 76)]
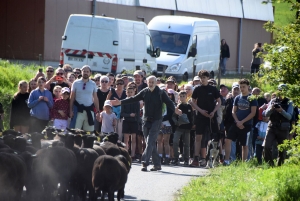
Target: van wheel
[(212, 75), (185, 77)]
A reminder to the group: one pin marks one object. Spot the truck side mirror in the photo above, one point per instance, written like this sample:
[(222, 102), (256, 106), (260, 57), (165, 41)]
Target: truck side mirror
[(193, 52), (157, 52)]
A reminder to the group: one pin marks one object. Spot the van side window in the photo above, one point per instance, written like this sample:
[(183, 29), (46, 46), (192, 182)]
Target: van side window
[(149, 45), (193, 48)]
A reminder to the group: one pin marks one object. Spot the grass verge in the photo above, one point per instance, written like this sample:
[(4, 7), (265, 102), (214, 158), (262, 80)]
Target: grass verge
[(245, 181)]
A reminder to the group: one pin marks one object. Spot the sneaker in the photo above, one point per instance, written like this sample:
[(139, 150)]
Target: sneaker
[(155, 168), (175, 162), (144, 167), (203, 163), (167, 161), (186, 164), (162, 160), (226, 163), (195, 163)]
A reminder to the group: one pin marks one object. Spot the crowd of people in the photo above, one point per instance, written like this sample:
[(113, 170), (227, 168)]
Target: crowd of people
[(157, 118)]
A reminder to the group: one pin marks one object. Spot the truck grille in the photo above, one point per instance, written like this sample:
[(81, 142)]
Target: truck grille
[(160, 67)]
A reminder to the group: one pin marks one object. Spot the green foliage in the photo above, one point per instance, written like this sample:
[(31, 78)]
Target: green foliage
[(245, 181), (284, 57), (11, 75)]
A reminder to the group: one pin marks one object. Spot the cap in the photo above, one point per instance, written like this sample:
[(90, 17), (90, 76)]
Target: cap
[(212, 81), (170, 80), (107, 103), (282, 87), (138, 72), (196, 78), (171, 91), (65, 89), (124, 75), (86, 66), (222, 85)]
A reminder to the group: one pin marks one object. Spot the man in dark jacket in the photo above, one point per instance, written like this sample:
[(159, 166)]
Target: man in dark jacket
[(153, 98)]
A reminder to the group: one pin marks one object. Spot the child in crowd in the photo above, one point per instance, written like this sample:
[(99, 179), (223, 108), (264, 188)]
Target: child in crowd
[(183, 130), (261, 129), (61, 109), (131, 115), (57, 93), (108, 118)]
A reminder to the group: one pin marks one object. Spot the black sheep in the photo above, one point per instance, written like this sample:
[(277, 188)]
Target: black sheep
[(12, 176), (52, 166), (110, 175)]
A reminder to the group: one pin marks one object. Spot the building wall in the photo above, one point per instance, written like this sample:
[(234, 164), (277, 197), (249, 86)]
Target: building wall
[(58, 11), (22, 29)]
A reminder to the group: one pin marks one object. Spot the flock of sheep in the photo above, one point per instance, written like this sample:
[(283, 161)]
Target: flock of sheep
[(62, 165)]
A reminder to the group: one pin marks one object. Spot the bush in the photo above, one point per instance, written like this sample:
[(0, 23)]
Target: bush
[(11, 75)]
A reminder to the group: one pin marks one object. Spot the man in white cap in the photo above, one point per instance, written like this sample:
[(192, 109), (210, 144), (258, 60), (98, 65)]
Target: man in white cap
[(84, 97)]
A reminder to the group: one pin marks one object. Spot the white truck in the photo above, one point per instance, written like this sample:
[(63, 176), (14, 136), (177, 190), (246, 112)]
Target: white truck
[(187, 44), (107, 44)]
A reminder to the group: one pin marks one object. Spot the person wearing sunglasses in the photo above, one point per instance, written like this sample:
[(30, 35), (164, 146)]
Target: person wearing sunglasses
[(58, 80), (77, 72), (49, 72), (120, 94), (102, 93), (84, 98)]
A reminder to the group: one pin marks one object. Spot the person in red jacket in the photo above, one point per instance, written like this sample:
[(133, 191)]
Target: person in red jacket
[(61, 108)]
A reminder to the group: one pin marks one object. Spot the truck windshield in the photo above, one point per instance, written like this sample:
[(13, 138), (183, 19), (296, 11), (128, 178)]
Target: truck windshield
[(170, 42)]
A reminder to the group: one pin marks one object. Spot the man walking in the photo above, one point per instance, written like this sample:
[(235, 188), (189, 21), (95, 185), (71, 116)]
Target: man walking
[(153, 99), (84, 97)]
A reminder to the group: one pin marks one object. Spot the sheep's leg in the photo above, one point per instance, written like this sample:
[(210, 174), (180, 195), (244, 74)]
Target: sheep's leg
[(103, 195), (120, 194), (111, 196)]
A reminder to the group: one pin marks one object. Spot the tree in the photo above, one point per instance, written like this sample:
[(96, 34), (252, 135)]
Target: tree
[(284, 57)]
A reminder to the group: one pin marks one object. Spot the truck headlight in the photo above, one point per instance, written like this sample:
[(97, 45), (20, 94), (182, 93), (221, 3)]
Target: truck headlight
[(174, 68)]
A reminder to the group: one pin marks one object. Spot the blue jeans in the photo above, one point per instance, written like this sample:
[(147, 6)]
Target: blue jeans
[(223, 65), (151, 131), (233, 151)]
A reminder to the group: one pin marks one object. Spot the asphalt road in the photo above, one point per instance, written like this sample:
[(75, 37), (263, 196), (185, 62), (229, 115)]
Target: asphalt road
[(162, 185)]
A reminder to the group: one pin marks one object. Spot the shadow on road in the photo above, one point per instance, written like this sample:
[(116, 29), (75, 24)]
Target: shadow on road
[(132, 198)]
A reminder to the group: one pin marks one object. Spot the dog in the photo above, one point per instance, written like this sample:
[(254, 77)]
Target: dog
[(213, 151)]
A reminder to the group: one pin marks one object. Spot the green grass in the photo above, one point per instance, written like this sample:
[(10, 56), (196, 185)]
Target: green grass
[(11, 75), (283, 15), (245, 181)]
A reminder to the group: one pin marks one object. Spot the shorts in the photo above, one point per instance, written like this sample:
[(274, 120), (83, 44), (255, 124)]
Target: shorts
[(166, 130), (205, 125), (60, 123), (130, 127), (242, 135)]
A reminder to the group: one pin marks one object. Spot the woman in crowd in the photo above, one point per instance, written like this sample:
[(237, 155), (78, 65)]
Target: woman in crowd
[(225, 55), (40, 102), (102, 93), (120, 94), (71, 77), (20, 113), (32, 85)]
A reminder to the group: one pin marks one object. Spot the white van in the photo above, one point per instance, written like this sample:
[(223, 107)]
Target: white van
[(185, 42), (107, 44)]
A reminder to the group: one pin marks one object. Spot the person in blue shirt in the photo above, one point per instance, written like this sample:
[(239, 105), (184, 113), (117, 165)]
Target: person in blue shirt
[(244, 109), (40, 101)]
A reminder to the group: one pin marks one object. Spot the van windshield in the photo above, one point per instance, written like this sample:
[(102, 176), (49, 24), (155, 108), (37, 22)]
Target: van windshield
[(170, 42)]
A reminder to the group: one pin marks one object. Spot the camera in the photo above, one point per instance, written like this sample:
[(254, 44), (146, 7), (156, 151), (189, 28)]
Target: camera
[(276, 105)]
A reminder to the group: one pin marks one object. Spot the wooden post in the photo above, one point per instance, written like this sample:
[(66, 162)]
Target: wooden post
[(40, 59)]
